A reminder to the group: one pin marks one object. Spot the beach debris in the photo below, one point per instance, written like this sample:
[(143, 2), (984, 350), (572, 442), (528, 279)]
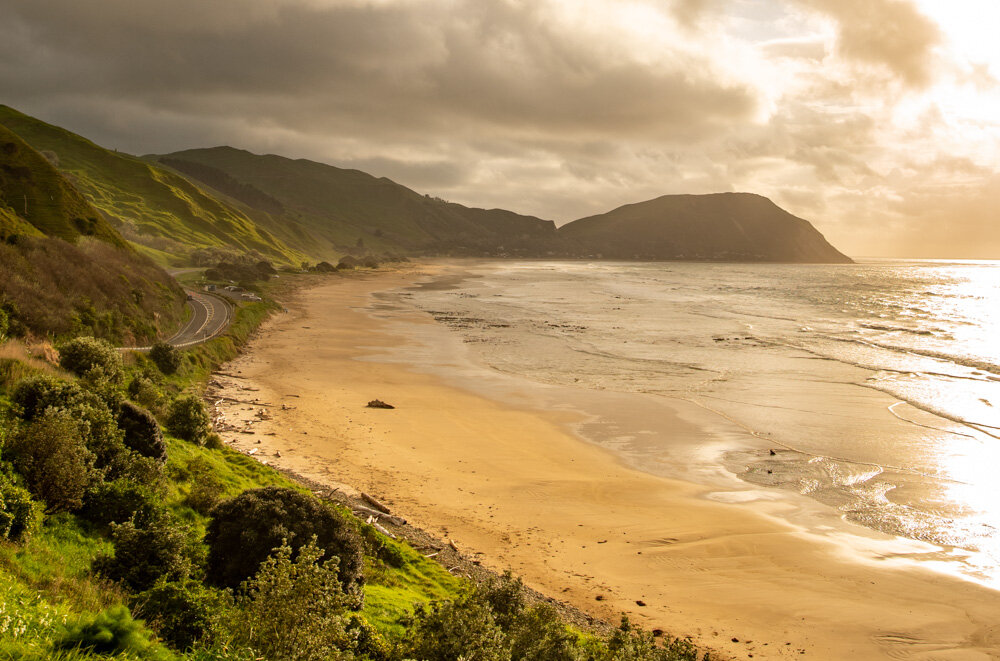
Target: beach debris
[(599, 597), (657, 633), (772, 452), (394, 520), (640, 602), (253, 451), (602, 541), (374, 503), (277, 454), (379, 404), (431, 555), (452, 545)]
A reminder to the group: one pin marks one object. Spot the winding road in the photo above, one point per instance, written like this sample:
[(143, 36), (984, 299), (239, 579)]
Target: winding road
[(210, 316)]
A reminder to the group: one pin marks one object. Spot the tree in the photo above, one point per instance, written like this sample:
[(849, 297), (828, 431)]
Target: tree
[(51, 455), (83, 355), (245, 530), (142, 432), (294, 610), (19, 515), (448, 630), (188, 419), (166, 357), (160, 549)]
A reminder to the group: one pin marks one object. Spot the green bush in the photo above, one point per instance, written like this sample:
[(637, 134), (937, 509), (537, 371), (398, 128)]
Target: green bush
[(166, 357), (144, 554), (119, 501), (245, 530), (34, 394), (111, 631), (205, 493), (142, 432), (628, 643), (188, 419), (448, 630), (182, 612), (144, 391), (294, 609), (19, 515), (85, 355), (505, 597), (540, 635), (51, 455)]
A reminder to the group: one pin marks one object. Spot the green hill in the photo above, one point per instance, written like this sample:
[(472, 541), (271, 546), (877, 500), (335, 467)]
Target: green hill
[(739, 227), (149, 205), (343, 208), (63, 269)]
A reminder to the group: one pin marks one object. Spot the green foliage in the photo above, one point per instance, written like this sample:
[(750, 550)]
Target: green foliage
[(166, 357), (142, 431), (505, 597), (205, 493), (143, 391), (83, 355), (188, 419), (294, 609), (448, 630), (51, 454), (4, 324), (245, 530), (111, 631), (539, 634), (119, 501), (145, 553), (19, 515), (628, 643), (183, 612)]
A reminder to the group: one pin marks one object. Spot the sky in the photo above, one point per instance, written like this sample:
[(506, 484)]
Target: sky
[(876, 120)]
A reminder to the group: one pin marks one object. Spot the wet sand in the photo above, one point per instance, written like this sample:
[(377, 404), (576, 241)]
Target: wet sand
[(516, 486)]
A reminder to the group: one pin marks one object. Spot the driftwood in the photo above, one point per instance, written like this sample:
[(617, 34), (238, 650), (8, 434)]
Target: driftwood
[(394, 520), (453, 547), (231, 376), (379, 404), (374, 503), (382, 529)]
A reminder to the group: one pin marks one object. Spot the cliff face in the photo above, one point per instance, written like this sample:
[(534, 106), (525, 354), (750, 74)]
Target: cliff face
[(723, 227)]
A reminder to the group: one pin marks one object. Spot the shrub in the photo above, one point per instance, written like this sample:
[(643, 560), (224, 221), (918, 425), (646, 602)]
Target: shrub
[(205, 493), (245, 530), (36, 393), (166, 357), (19, 515), (188, 419), (505, 597), (627, 643), (51, 454), (182, 612), (146, 553), (540, 635), (109, 632), (296, 607), (83, 355), (142, 390), (119, 501), (366, 642), (448, 630), (142, 432)]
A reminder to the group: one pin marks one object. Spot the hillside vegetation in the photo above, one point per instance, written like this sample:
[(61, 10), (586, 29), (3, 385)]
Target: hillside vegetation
[(350, 210), (147, 204), (63, 269)]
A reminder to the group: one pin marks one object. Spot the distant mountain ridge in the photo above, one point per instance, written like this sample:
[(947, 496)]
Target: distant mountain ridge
[(289, 210), (339, 206), (739, 227)]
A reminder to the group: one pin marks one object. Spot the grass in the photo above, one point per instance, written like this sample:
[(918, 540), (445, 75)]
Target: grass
[(151, 205)]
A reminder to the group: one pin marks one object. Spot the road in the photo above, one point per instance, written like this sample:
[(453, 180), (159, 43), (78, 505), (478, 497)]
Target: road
[(210, 316)]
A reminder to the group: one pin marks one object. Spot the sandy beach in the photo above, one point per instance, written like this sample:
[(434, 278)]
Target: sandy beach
[(515, 486)]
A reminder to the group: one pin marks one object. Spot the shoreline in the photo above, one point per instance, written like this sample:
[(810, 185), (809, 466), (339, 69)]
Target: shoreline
[(513, 486)]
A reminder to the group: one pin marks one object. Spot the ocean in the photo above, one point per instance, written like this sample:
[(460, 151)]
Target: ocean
[(872, 390)]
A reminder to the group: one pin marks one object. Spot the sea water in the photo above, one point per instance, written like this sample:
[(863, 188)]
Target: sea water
[(872, 388)]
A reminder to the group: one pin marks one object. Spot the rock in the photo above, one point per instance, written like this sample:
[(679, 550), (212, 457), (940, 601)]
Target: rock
[(640, 602), (379, 404)]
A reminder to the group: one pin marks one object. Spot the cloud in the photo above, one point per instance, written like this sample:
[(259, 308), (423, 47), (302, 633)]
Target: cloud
[(889, 33)]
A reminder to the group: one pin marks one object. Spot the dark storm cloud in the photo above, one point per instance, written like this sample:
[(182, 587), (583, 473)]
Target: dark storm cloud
[(391, 68)]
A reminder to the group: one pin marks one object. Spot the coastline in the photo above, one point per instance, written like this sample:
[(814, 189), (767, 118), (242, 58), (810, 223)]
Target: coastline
[(512, 485)]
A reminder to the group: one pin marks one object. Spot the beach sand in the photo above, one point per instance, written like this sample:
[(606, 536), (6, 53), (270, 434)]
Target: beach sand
[(518, 489)]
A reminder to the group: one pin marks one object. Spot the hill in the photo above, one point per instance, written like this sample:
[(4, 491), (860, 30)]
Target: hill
[(740, 227), (148, 205), (63, 269), (348, 210)]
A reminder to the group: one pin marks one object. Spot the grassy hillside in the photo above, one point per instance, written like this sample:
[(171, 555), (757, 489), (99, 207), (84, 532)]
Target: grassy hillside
[(724, 226), (63, 269), (349, 209), (147, 204)]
